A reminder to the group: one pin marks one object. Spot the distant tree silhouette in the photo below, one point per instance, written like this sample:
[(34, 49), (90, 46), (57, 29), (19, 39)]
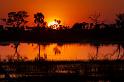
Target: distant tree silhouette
[(11, 19), (80, 26), (16, 18), (120, 20), (91, 25), (85, 25), (77, 26), (95, 18), (39, 19), (20, 18)]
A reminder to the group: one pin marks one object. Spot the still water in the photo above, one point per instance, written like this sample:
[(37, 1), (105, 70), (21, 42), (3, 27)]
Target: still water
[(61, 51)]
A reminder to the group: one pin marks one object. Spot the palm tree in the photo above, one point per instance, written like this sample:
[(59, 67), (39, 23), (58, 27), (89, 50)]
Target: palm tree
[(120, 20), (39, 19)]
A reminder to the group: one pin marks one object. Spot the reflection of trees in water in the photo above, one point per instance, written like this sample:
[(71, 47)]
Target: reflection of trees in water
[(56, 50), (16, 56), (117, 54), (60, 44), (97, 45), (44, 45)]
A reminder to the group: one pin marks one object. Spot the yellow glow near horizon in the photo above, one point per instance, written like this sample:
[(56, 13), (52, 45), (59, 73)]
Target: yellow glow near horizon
[(69, 11), (52, 23)]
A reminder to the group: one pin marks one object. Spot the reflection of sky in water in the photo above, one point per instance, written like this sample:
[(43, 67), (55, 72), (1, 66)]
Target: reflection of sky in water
[(54, 51)]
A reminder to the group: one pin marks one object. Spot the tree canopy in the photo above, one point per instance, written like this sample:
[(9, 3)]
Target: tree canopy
[(16, 19), (39, 19)]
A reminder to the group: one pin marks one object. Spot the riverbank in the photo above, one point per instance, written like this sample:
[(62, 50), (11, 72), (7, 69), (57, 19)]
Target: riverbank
[(74, 71), (68, 35), (63, 70)]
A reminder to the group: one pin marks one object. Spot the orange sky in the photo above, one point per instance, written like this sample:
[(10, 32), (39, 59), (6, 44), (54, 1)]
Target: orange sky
[(68, 11)]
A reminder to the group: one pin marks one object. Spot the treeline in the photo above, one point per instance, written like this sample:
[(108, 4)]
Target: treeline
[(42, 32), (18, 19)]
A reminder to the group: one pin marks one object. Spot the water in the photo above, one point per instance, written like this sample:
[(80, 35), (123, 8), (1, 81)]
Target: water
[(62, 65), (61, 51)]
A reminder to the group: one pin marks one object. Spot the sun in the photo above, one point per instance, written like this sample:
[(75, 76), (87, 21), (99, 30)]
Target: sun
[(52, 23)]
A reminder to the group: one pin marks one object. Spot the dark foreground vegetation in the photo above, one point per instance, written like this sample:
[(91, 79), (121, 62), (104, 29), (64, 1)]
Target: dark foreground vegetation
[(68, 35), (75, 71), (45, 37)]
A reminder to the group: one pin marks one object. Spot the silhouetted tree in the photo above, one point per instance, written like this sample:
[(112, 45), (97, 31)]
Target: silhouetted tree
[(95, 18), (77, 26), (16, 18), (120, 20), (11, 19), (80, 26), (85, 25), (39, 19), (20, 18), (91, 26)]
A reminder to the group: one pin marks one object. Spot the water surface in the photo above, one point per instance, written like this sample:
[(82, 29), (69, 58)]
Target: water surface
[(61, 51)]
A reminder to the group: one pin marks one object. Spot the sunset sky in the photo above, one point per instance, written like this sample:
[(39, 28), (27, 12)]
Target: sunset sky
[(68, 11)]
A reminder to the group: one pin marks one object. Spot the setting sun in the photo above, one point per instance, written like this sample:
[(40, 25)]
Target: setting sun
[(62, 40), (52, 23)]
